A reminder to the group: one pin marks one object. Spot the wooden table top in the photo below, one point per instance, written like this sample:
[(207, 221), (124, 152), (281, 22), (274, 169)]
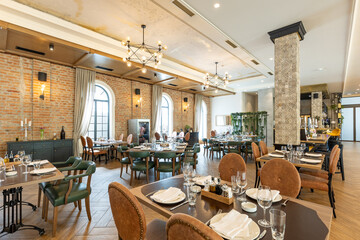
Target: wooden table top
[(304, 219), (28, 179), (320, 139), (109, 143), (296, 162)]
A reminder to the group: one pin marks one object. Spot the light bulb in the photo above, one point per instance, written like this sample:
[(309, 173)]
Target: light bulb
[(143, 58), (159, 62), (159, 43), (216, 76), (42, 88), (129, 51), (124, 59), (216, 91), (216, 5), (123, 43), (144, 70), (128, 39), (164, 47), (129, 64), (156, 65), (160, 55)]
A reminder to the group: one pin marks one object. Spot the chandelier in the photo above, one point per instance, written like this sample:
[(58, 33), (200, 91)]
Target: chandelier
[(216, 79), (143, 53)]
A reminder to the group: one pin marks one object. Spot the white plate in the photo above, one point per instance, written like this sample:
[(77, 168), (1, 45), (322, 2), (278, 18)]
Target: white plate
[(180, 198), (276, 155), (254, 229), (251, 193), (10, 174), (310, 160)]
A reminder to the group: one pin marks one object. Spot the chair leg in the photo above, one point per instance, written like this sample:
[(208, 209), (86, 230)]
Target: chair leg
[(54, 221), (131, 177), (127, 168), (331, 202), (121, 169), (79, 204), (333, 195), (43, 208), (46, 208), (87, 205), (39, 196), (147, 175), (157, 176), (75, 204), (256, 179)]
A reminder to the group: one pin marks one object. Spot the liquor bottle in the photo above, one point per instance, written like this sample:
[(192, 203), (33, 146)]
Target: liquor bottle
[(11, 158), (62, 134), (6, 158)]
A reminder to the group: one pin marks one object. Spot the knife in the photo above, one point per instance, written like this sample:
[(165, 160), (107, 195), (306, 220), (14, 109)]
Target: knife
[(261, 235), (179, 205)]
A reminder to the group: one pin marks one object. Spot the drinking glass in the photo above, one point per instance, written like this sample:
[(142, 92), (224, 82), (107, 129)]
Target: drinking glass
[(264, 200), (26, 161), (278, 224), (241, 183), (21, 155), (185, 171), (36, 164), (192, 194), (193, 174), (2, 170), (234, 186), (283, 148), (289, 146)]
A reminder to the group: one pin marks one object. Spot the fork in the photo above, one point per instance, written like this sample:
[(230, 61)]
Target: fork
[(218, 212), (284, 203)]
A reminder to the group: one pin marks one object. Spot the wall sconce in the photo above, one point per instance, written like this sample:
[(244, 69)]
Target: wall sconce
[(138, 99), (42, 96), (186, 105)]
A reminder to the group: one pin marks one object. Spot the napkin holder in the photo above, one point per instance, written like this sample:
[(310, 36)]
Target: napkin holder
[(216, 197)]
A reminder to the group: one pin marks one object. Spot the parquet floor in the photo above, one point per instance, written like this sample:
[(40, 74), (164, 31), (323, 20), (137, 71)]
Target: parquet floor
[(73, 224)]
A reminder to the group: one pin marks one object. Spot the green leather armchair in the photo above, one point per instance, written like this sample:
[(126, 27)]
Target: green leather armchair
[(164, 166), (140, 161)]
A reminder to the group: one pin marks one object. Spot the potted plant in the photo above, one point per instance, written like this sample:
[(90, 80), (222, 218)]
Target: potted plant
[(187, 128)]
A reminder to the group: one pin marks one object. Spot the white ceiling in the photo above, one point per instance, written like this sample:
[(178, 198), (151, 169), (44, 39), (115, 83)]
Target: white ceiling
[(327, 24), (190, 40)]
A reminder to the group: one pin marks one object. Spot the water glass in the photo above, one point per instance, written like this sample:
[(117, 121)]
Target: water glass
[(264, 199), (21, 155), (36, 164), (234, 186), (26, 161), (278, 224), (289, 146), (207, 186), (283, 148), (192, 195), (186, 171), (241, 183)]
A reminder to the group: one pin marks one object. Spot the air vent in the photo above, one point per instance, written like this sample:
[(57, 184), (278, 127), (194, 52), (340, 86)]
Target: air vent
[(255, 62), (191, 89), (29, 50), (145, 78), (183, 8), (231, 44), (104, 68), (174, 85), (270, 73)]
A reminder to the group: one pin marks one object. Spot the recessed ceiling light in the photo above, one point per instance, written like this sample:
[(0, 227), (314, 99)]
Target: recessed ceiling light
[(262, 81), (216, 5), (321, 69), (271, 59), (356, 92), (358, 89)]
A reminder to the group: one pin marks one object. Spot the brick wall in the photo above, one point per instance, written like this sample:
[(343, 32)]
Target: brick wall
[(20, 91)]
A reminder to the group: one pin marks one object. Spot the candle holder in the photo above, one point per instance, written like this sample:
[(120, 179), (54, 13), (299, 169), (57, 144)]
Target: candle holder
[(25, 127)]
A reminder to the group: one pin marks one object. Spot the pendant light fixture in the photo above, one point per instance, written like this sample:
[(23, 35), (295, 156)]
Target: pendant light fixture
[(216, 79)]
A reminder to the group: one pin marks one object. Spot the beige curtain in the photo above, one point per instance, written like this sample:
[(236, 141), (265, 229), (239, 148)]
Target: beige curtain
[(84, 100), (197, 112), (156, 108)]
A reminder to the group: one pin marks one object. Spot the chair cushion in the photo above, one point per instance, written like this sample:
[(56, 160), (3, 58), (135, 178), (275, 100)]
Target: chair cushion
[(215, 149), (125, 160), (141, 165), (308, 181), (156, 229), (56, 194), (231, 151), (167, 166), (315, 172)]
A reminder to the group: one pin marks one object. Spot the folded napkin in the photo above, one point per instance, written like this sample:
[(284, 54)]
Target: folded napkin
[(309, 160), (138, 147), (276, 155), (274, 193), (279, 151), (168, 195), (201, 180), (233, 224), (42, 162), (313, 154), (43, 170)]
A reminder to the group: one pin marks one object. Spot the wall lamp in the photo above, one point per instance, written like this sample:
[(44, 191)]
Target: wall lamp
[(42, 96), (186, 104), (139, 99)]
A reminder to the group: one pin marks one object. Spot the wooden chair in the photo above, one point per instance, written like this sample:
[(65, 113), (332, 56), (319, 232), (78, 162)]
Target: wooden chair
[(215, 146), (83, 143), (129, 217), (280, 174), (157, 136), (166, 166), (213, 133), (141, 166), (95, 153), (124, 159), (319, 183), (230, 164), (231, 147), (263, 147), (256, 154), (71, 190), (191, 155), (129, 139), (121, 137), (182, 226), (187, 137), (206, 146)]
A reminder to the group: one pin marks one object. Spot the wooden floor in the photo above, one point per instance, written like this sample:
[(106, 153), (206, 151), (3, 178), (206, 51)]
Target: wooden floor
[(73, 224)]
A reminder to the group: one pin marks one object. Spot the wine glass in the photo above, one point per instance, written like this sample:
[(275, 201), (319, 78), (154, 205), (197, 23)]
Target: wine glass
[(241, 183), (26, 161), (283, 149), (185, 170), (289, 146), (264, 199), (21, 156), (2, 169)]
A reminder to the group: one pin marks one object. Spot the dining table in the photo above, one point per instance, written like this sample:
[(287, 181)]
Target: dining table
[(319, 139), (12, 188), (297, 162), (304, 220), (109, 144)]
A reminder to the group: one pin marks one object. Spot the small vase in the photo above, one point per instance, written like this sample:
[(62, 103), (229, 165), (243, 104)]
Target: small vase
[(42, 134)]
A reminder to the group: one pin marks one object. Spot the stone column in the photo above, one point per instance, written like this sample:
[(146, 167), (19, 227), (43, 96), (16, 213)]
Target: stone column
[(266, 103), (316, 106), (287, 83)]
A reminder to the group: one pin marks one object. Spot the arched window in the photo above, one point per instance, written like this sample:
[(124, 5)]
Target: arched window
[(166, 123), (203, 125), (101, 122)]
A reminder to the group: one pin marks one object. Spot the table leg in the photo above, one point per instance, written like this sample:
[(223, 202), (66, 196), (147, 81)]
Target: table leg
[(12, 211)]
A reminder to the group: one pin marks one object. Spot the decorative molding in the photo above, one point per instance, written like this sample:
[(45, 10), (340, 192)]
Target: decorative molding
[(292, 28)]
